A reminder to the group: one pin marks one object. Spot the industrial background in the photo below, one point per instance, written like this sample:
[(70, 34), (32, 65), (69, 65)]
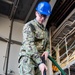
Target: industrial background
[(60, 24)]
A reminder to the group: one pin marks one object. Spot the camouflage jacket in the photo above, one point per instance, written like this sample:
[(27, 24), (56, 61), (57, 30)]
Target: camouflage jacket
[(35, 41)]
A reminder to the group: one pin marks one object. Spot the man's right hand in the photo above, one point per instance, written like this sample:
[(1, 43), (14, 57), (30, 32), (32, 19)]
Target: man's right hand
[(42, 67)]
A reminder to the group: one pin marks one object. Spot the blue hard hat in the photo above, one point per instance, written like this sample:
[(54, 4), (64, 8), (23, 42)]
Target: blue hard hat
[(44, 8)]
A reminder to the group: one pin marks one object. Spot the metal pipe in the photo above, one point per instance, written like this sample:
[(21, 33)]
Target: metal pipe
[(8, 47), (67, 54), (59, 10), (15, 5), (31, 9), (10, 35), (56, 11), (8, 1), (67, 36), (65, 10)]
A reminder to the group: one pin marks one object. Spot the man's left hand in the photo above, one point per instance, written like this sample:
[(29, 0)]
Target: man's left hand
[(45, 54)]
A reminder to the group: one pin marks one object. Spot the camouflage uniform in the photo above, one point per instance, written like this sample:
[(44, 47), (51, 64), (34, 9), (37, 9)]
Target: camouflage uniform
[(35, 42)]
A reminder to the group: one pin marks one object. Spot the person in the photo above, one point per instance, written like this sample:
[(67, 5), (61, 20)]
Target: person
[(35, 43)]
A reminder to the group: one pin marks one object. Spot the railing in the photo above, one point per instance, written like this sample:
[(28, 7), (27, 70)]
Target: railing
[(56, 64)]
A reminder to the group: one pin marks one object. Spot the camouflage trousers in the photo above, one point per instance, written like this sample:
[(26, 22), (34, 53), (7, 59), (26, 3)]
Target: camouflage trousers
[(27, 67)]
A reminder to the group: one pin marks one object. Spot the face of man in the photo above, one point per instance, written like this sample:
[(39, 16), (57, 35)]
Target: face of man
[(40, 17)]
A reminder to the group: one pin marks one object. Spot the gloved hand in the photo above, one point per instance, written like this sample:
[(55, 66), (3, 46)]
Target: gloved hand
[(42, 67)]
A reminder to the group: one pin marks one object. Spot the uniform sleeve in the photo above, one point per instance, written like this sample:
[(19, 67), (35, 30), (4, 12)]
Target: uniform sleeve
[(29, 45), (48, 47), (48, 43)]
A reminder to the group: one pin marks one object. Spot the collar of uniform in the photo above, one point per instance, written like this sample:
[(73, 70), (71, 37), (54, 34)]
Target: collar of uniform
[(40, 25)]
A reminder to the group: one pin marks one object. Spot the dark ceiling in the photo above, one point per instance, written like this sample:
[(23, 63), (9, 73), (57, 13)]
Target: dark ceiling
[(24, 10)]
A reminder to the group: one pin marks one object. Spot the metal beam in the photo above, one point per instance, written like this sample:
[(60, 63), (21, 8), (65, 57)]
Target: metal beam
[(12, 41), (31, 9), (8, 1), (10, 35)]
